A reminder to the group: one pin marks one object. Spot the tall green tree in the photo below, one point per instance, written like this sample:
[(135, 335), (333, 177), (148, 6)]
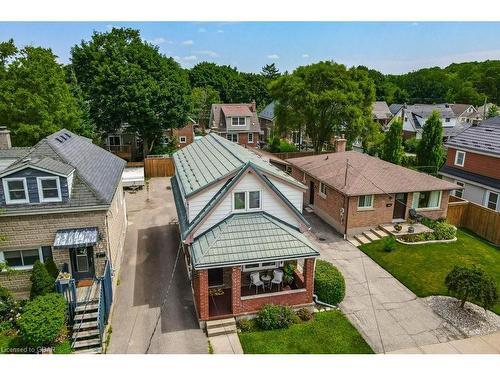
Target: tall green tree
[(270, 71), (222, 78), (127, 80), (202, 99), (392, 147), (327, 98), (430, 150), (493, 111), (35, 99)]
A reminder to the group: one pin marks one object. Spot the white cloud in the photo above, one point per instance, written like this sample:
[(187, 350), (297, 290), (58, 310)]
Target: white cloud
[(202, 30), (185, 58), (220, 31), (305, 55), (273, 56), (160, 40), (208, 53), (188, 42)]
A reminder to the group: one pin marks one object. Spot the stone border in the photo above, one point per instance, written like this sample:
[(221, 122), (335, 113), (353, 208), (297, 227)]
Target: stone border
[(424, 242)]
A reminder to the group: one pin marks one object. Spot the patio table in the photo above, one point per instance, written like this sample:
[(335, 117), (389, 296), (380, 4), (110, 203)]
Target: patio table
[(266, 279)]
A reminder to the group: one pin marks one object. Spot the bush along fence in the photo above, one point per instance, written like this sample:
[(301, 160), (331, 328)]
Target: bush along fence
[(481, 220)]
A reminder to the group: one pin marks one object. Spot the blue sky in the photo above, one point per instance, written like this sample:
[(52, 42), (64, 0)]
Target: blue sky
[(391, 47)]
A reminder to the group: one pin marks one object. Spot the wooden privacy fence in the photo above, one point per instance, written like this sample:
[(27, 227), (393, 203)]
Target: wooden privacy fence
[(480, 220), (159, 166)]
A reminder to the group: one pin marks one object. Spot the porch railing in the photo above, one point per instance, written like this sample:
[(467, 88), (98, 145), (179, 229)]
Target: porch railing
[(105, 299), (122, 149), (68, 289)]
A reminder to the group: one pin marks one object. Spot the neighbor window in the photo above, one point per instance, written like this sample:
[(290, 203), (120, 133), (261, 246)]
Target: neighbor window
[(322, 189), (365, 201), (49, 189), (459, 192), (16, 190), (250, 137), (21, 259), (239, 201), (238, 121), (232, 137), (254, 200), (492, 201), (460, 158), (447, 119), (427, 199), (182, 139), (114, 140)]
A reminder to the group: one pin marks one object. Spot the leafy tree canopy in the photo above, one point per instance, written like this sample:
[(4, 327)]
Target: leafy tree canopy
[(430, 151), (392, 148), (202, 99)]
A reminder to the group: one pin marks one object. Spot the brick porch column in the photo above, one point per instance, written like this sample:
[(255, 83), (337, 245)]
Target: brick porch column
[(309, 277), (201, 290), (236, 289)]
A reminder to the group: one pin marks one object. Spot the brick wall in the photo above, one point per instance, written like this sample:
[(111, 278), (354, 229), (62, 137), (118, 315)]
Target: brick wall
[(476, 163), (188, 132), (117, 227), (297, 297), (200, 286), (18, 283)]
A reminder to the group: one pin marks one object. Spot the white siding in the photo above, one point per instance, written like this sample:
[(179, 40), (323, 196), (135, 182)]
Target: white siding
[(270, 204), (293, 194), (200, 200)]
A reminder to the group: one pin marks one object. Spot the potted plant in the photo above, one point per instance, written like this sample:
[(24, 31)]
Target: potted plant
[(398, 227), (288, 271), (64, 277), (411, 228)]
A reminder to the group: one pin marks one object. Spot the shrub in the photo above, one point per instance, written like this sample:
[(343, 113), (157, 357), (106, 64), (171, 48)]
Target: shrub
[(329, 284), (296, 319), (7, 304), (43, 320), (304, 314), (245, 325), (444, 231), (286, 146), (472, 284), (389, 244), (274, 317), (288, 272), (41, 281), (408, 161), (411, 145), (51, 268)]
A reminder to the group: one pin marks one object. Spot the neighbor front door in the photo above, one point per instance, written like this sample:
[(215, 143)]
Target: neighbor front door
[(311, 193), (82, 263), (400, 206)]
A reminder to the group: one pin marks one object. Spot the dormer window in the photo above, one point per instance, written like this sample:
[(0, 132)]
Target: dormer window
[(238, 121), (16, 190), (49, 189)]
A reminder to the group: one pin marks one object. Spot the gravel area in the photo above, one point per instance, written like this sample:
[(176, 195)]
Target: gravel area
[(471, 320)]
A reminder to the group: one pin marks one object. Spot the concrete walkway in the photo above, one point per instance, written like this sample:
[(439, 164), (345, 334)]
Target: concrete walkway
[(386, 313), (226, 344), (150, 252), (489, 344)]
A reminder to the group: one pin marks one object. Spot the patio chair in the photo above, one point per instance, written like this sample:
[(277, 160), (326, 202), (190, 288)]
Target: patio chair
[(255, 280), (277, 279)]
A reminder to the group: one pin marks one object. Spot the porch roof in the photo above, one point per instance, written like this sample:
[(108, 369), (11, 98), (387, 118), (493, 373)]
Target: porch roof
[(249, 238), (76, 237)]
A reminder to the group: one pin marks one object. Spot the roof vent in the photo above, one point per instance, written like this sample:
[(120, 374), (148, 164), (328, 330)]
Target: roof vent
[(67, 135)]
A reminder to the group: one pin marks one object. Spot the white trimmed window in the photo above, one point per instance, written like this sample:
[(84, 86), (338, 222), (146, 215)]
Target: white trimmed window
[(239, 201), (233, 137), (247, 200), (365, 202), (459, 192), (460, 158), (254, 200), (238, 121), (262, 266), (49, 189), (250, 137), (16, 190), (182, 139), (114, 140), (21, 259), (427, 200), (322, 189), (492, 200)]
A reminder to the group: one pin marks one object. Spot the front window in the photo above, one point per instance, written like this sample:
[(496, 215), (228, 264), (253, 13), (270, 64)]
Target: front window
[(322, 189), (460, 158), (492, 201), (250, 137), (239, 201), (459, 192), (365, 201), (427, 199), (182, 139), (238, 121), (243, 200), (232, 137), (21, 259), (254, 200), (114, 140), (49, 189), (16, 190)]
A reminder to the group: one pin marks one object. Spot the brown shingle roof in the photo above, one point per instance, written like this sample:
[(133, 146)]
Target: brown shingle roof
[(219, 111), (366, 174), (236, 110)]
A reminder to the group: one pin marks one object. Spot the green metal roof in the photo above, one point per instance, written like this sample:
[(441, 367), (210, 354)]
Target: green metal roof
[(212, 158), (247, 238)]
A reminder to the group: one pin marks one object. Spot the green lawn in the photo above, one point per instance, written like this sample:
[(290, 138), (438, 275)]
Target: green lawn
[(9, 342), (327, 333), (423, 268)]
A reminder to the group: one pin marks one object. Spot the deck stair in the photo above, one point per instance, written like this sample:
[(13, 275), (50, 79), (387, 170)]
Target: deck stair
[(221, 327), (86, 328), (379, 233)]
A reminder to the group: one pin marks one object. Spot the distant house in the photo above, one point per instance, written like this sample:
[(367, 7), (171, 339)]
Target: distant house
[(414, 117), (354, 192), (473, 163), (185, 135), (124, 143), (466, 113), (63, 199), (266, 120), (241, 223), (381, 112), (238, 123)]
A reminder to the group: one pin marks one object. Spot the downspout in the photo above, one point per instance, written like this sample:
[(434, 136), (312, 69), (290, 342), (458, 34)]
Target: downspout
[(318, 302), (346, 215)]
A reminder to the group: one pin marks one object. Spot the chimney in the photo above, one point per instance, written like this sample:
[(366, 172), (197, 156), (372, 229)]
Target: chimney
[(4, 138), (253, 107), (340, 143)]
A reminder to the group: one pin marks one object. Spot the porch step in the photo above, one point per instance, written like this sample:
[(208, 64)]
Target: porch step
[(379, 233), (92, 306), (362, 239), (85, 325), (87, 343), (228, 322), (370, 236), (86, 316), (96, 350), (384, 229), (85, 334), (355, 242), (217, 331)]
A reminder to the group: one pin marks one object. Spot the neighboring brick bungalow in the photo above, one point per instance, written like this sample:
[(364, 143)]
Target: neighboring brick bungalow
[(57, 201), (184, 135), (353, 191)]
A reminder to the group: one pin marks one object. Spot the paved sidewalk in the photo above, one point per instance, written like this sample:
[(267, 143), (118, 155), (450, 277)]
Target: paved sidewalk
[(489, 344), (386, 313), (226, 344)]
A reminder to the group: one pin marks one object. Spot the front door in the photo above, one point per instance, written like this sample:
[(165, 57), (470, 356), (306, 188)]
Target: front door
[(400, 206), (311, 193), (82, 263)]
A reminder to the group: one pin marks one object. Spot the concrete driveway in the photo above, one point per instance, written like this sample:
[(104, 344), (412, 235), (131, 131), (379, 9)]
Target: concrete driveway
[(386, 313), (150, 251)]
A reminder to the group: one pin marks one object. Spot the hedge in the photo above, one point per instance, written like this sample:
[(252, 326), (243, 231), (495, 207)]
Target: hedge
[(329, 284)]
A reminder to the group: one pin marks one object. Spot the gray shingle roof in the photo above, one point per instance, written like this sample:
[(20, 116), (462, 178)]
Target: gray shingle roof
[(268, 112), (45, 163), (460, 174), (14, 152), (247, 238), (381, 111), (484, 137)]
